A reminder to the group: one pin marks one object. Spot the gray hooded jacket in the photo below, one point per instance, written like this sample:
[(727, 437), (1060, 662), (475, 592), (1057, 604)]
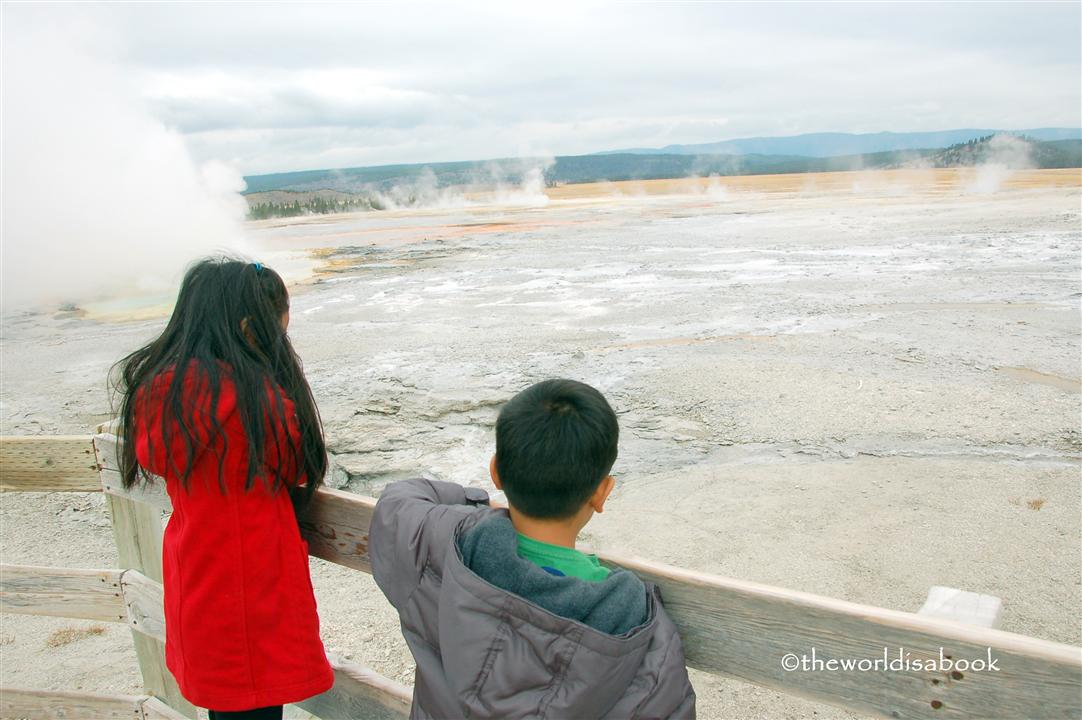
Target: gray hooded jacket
[(485, 651)]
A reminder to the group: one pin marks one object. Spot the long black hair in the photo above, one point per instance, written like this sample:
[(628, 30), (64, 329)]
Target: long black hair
[(228, 320)]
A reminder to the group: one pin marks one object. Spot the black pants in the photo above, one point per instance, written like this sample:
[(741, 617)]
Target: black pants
[(267, 713)]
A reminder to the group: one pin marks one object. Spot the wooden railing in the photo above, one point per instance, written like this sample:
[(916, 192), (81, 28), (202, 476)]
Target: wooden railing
[(133, 595), (729, 627)]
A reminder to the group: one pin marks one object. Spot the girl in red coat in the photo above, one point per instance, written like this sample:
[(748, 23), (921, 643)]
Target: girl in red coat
[(219, 407)]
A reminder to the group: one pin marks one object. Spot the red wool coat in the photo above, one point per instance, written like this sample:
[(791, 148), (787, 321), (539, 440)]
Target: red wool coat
[(241, 625)]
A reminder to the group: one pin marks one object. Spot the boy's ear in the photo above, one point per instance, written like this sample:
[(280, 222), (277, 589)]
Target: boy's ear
[(493, 474), (597, 500)]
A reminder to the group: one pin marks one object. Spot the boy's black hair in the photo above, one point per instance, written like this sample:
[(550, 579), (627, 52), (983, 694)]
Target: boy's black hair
[(555, 442), (227, 322)]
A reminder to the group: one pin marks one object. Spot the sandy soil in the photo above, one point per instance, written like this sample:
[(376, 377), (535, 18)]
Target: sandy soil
[(909, 181), (857, 389)]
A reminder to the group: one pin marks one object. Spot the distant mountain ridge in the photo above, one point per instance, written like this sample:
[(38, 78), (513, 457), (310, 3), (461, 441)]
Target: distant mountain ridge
[(821, 145), (396, 186)]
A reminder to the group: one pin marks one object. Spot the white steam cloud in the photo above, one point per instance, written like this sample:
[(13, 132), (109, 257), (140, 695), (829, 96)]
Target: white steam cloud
[(1007, 153), (98, 197), (516, 183), (529, 191)]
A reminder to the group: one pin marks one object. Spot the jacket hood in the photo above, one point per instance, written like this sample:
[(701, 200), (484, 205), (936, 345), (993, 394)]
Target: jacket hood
[(517, 641), (613, 606)]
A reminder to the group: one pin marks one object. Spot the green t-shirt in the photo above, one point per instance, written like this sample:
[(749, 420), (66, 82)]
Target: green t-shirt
[(560, 561)]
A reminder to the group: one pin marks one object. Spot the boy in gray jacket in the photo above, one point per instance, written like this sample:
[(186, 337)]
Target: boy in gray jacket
[(504, 617)]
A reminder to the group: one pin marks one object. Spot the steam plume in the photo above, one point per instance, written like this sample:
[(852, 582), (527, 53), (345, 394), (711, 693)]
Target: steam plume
[(97, 196)]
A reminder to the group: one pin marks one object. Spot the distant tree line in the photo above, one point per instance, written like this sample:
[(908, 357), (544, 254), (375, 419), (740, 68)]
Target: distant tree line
[(313, 206), (985, 139), (1018, 152)]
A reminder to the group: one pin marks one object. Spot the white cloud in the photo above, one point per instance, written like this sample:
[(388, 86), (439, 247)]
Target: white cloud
[(291, 86)]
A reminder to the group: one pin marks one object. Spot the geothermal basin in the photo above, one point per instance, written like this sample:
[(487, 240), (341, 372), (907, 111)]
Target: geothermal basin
[(853, 384)]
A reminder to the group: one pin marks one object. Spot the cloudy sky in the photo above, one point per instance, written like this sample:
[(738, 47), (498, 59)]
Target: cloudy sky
[(279, 87)]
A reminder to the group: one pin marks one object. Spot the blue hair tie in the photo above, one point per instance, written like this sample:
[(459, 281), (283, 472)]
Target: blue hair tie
[(258, 266)]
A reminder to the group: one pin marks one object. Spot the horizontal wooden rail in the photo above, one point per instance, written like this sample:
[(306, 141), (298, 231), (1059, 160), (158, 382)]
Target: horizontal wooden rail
[(20, 703), (137, 600), (48, 463), (360, 693), (86, 594), (756, 632), (336, 528)]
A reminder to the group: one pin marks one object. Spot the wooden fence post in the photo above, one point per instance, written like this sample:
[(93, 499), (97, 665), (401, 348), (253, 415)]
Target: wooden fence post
[(137, 528)]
